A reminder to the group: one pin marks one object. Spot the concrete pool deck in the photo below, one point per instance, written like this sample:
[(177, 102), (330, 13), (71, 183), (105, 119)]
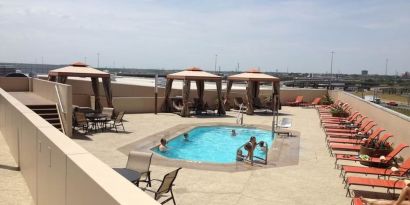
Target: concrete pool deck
[(312, 180)]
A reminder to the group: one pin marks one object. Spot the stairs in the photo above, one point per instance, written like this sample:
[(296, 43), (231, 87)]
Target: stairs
[(49, 113)]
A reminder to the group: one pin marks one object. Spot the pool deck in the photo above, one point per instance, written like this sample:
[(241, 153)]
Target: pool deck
[(311, 179)]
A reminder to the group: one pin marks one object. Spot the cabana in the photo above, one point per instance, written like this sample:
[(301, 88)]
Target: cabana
[(79, 69), (188, 75), (254, 77)]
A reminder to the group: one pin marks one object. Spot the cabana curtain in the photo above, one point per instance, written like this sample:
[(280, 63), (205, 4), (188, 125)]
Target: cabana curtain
[(107, 90), (200, 87), (94, 84), (185, 97)]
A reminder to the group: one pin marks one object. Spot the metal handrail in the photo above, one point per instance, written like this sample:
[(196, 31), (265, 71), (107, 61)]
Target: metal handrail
[(60, 106)]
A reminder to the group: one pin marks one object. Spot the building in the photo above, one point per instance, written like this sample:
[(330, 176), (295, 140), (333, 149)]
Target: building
[(365, 72)]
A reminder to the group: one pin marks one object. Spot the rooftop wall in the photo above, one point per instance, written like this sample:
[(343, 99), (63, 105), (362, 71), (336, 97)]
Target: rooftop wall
[(15, 84), (56, 169), (140, 99), (394, 122)]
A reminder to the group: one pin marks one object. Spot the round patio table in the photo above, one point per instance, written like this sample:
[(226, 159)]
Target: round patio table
[(98, 119)]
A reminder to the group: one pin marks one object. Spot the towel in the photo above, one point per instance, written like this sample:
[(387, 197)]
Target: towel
[(394, 169)]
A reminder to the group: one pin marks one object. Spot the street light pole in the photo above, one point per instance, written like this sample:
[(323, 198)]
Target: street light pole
[(387, 62), (331, 70), (216, 61), (98, 60)]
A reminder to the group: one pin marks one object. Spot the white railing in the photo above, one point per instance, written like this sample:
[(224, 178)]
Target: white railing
[(60, 110)]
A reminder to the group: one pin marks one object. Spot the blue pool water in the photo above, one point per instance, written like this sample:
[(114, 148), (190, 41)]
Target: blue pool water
[(214, 144)]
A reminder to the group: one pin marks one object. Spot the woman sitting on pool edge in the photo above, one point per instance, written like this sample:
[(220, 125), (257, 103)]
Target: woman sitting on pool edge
[(163, 146)]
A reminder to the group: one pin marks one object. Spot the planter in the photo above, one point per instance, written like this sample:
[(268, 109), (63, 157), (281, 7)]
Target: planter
[(372, 152)]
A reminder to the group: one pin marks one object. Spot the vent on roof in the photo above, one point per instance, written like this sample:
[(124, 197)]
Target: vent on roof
[(79, 64), (253, 70), (193, 69)]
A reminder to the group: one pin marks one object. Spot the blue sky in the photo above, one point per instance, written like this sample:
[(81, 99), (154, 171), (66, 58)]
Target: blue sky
[(297, 35)]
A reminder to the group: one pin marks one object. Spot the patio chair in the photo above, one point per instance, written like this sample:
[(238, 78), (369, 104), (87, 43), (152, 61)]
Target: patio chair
[(297, 102), (81, 121), (315, 102), (372, 182), (140, 162), (284, 124), (117, 121), (364, 128), (165, 187), (403, 169), (109, 111), (355, 147), (375, 160), (358, 140)]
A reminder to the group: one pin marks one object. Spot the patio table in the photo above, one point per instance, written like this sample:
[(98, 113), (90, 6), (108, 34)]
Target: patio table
[(131, 175), (98, 119)]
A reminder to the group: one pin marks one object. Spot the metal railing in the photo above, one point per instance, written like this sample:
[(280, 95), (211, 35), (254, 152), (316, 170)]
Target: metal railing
[(60, 110), (241, 157)]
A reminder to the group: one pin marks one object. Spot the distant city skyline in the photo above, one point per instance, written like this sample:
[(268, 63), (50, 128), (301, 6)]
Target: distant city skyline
[(297, 36)]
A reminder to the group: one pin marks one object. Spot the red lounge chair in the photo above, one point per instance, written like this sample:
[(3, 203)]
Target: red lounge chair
[(357, 140), (315, 102), (352, 134), (340, 123), (360, 124), (354, 147), (383, 183), (402, 170), (298, 101), (356, 158)]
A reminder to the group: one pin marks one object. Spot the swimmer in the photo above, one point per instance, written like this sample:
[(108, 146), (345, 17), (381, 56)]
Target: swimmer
[(233, 133), (163, 146)]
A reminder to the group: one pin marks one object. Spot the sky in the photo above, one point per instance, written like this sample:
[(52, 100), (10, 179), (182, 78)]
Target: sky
[(293, 36)]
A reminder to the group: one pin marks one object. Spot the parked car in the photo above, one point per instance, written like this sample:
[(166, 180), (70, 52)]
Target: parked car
[(392, 103)]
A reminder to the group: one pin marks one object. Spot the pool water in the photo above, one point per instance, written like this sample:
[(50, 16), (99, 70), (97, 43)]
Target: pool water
[(214, 144)]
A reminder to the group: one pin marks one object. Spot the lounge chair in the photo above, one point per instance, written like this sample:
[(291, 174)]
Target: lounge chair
[(315, 102), (285, 123), (297, 102), (359, 133), (165, 187), (372, 182), (357, 140), (140, 162), (401, 170), (375, 160), (117, 121), (340, 123), (355, 147), (361, 124)]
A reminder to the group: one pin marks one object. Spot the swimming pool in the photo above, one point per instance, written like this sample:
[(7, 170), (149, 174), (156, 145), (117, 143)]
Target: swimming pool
[(214, 144)]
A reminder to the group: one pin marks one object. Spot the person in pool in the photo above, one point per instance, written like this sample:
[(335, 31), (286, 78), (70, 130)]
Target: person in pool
[(163, 146), (186, 136), (262, 146), (233, 133)]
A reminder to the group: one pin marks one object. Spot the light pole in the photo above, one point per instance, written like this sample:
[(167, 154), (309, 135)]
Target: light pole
[(331, 70), (98, 60), (216, 61), (387, 62)]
